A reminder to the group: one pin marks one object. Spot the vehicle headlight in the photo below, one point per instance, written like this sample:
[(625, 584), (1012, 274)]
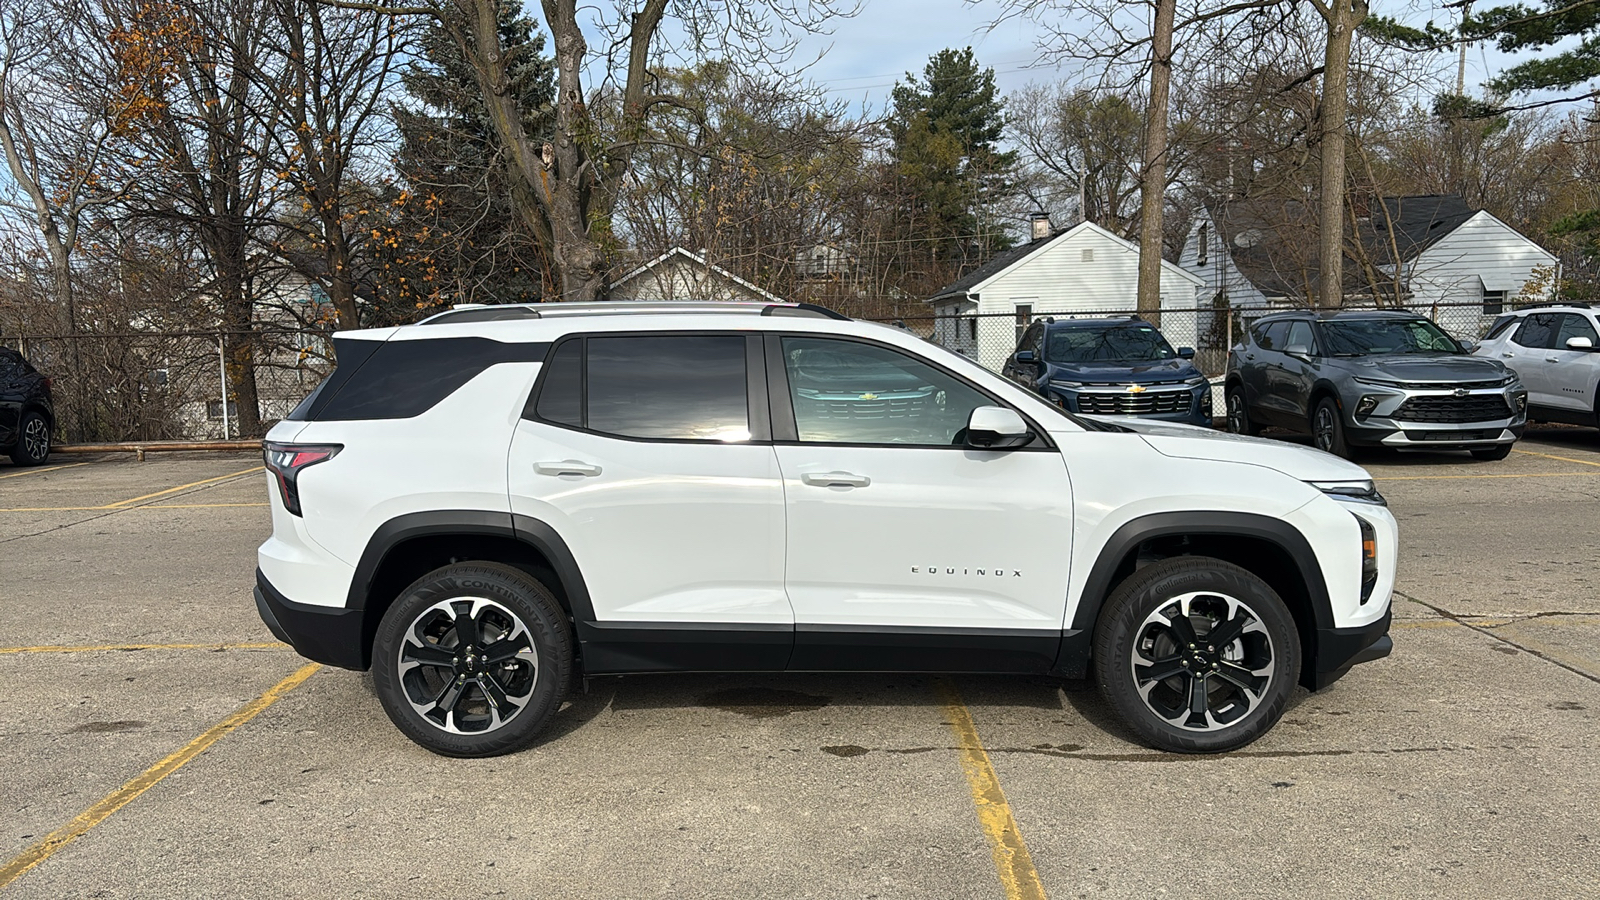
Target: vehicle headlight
[(1066, 385), (1197, 380), (1351, 491), (1378, 382)]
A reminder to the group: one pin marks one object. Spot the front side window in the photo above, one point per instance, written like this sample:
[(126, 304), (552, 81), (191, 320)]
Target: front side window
[(1122, 343), (1376, 337), (847, 392), (1574, 325), (664, 387), (1300, 335)]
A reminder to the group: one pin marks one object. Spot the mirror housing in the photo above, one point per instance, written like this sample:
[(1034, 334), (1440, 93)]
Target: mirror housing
[(1186, 353), (1024, 356), (1579, 343), (996, 428), (1298, 351), (1469, 346)]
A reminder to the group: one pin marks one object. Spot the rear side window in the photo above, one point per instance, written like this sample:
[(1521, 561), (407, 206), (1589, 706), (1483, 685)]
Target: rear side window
[(661, 387), (401, 379), (1271, 335), (1536, 331), (1499, 327), (1574, 325)]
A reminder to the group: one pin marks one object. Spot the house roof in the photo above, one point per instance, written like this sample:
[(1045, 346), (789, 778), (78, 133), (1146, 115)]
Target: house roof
[(1417, 222), (1006, 259), (679, 253)]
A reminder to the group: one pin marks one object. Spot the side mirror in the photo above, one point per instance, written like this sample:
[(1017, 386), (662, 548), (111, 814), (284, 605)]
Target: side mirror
[(1298, 351), (1025, 356), (1579, 343), (996, 428), (1469, 346), (1186, 353)]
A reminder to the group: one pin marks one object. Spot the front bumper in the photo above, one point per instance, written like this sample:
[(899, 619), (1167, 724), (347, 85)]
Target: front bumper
[(335, 636), (1386, 422), (1338, 649)]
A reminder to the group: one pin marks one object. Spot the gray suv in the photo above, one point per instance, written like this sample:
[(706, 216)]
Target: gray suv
[(1372, 378)]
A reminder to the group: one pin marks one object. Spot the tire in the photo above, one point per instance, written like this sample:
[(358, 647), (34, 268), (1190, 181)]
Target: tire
[(1239, 413), (519, 657), (33, 440), (1499, 451), (1244, 685), (1327, 428)]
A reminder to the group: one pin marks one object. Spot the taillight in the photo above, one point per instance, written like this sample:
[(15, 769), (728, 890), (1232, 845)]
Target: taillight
[(287, 461)]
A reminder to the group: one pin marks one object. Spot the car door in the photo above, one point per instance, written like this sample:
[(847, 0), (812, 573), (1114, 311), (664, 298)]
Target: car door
[(906, 550), (1525, 354), (1269, 405), (1297, 374), (646, 456), (1572, 374)]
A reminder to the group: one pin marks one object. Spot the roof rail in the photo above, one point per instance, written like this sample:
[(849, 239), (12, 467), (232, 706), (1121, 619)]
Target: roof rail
[(480, 312), (1569, 304)]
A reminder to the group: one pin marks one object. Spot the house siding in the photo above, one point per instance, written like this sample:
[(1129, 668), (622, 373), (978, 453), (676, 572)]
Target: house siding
[(1456, 267), (1220, 275), (1057, 280)]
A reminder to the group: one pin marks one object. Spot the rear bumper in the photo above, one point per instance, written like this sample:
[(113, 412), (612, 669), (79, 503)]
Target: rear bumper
[(1338, 649), (334, 636)]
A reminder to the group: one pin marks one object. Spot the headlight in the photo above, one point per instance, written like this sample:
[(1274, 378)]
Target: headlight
[(1067, 385), (1197, 380), (1351, 491), (1376, 382)]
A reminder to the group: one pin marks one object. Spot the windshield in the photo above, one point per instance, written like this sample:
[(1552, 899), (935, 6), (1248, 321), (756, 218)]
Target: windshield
[(1121, 343), (1368, 337)]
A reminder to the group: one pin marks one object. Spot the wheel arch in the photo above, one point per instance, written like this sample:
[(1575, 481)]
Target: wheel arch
[(407, 547), (1269, 548), (1324, 388)]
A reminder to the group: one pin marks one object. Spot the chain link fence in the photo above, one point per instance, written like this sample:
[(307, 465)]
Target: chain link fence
[(175, 385), (194, 385)]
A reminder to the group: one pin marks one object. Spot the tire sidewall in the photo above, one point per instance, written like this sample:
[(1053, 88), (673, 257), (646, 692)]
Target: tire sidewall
[(1340, 447), (522, 595), (20, 454), (1149, 589)]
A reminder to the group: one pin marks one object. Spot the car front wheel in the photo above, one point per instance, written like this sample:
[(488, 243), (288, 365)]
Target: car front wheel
[(1239, 415), (33, 441), (473, 659), (1196, 654), (1327, 429)]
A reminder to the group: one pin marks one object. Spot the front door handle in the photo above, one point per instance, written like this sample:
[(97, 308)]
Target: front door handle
[(835, 479), (566, 467), (1552, 359), (1508, 356)]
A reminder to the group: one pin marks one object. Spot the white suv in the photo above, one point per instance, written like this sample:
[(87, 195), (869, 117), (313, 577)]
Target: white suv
[(1555, 350), (486, 506)]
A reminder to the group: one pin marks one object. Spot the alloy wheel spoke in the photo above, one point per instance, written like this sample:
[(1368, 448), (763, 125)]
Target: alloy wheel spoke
[(495, 693), (450, 696), (1198, 702), (465, 625), (427, 655), (505, 650), (1182, 628), (1159, 669), (1227, 632), (1244, 679)]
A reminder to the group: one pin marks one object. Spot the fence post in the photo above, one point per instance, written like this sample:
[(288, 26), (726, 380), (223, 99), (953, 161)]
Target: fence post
[(222, 367)]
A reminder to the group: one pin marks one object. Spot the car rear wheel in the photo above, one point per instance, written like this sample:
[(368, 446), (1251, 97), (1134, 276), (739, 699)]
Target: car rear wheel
[(1327, 428), (33, 441), (473, 659), (1196, 654), (1239, 415)]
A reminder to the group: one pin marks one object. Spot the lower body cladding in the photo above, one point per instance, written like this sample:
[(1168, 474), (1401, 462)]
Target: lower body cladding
[(342, 638)]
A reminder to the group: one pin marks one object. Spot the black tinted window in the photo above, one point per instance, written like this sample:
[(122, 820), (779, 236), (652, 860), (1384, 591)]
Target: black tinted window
[(1574, 325), (400, 379), (669, 386), (846, 392), (1499, 326), (1300, 335), (1536, 331), (561, 396), (1271, 335), (1366, 337)]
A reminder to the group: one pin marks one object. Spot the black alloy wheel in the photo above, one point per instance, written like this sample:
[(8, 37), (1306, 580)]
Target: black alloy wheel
[(1327, 429), (1197, 654), (33, 441), (1238, 415), (473, 659)]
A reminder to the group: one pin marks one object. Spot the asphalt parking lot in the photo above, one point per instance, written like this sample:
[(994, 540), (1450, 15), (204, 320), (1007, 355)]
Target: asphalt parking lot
[(158, 743)]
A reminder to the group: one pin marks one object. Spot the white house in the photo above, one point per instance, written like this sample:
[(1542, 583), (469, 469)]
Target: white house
[(681, 275), (1459, 263), (1082, 270)]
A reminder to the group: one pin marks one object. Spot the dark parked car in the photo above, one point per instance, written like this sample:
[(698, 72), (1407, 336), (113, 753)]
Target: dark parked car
[(1372, 378), (26, 413), (1114, 367)]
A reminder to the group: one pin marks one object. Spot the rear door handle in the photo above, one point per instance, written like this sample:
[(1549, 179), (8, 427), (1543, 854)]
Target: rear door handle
[(835, 479), (1552, 359), (566, 467)]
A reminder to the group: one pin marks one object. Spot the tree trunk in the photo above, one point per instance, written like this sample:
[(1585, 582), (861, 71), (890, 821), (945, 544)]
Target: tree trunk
[(1153, 174), (235, 305), (1342, 17)]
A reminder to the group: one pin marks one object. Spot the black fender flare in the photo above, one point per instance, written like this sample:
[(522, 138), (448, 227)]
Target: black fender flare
[(1078, 637), (526, 529)]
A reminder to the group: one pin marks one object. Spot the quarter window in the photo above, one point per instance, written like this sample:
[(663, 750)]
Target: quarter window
[(1574, 325), (561, 399), (846, 392)]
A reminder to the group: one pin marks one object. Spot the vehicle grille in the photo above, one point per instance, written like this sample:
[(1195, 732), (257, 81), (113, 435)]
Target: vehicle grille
[(886, 408), (1480, 408), (1454, 437), (1149, 403)]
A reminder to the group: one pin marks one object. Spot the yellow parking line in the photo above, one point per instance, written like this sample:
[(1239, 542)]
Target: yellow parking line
[(1581, 462), (128, 508), (92, 648), (42, 471), (147, 779), (121, 503), (1011, 859), (1523, 475)]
